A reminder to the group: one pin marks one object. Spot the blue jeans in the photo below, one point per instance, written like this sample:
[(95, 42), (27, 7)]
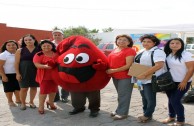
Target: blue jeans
[(148, 99), (175, 106)]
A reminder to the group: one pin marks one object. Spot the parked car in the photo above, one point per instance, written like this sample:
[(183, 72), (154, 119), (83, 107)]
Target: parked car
[(190, 48), (107, 48)]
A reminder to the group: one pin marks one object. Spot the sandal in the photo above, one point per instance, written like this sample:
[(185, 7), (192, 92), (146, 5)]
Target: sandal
[(32, 105), (178, 124), (11, 104), (23, 107), (112, 114), (144, 119), (41, 112), (168, 120), (119, 117)]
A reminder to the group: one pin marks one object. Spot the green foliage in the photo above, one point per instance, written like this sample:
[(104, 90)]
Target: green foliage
[(81, 30), (190, 40), (94, 31), (107, 29)]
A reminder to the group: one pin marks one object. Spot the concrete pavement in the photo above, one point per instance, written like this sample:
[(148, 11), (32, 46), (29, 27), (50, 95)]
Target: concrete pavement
[(30, 117)]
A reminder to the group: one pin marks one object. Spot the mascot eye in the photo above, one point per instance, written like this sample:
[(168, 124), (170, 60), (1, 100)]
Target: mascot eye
[(68, 58), (82, 58)]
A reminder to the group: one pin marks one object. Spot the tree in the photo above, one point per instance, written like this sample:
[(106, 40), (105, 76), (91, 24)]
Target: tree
[(94, 31), (81, 30), (107, 29)]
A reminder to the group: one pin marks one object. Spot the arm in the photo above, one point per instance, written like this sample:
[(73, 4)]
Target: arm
[(42, 66), (129, 61), (2, 72), (37, 62), (189, 74), (17, 62), (157, 66)]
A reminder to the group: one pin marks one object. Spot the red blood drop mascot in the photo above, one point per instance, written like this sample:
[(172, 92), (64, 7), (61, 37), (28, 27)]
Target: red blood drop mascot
[(82, 71)]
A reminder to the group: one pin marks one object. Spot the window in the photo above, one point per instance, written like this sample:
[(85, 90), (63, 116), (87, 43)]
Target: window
[(100, 46), (188, 46), (110, 46)]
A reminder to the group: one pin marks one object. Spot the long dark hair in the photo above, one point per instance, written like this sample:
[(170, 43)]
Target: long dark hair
[(29, 35), (178, 54), (49, 42), (3, 47)]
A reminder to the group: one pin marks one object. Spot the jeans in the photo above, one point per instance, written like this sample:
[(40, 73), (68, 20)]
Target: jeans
[(148, 99), (175, 106)]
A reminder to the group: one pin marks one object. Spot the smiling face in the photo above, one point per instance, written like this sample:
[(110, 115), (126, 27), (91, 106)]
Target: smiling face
[(11, 47), (46, 47), (122, 42), (77, 63), (29, 41)]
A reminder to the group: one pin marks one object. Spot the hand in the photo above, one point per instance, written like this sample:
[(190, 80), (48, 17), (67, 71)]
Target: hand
[(4, 79), (99, 65), (110, 71), (18, 77), (182, 86), (52, 63), (141, 77), (47, 66)]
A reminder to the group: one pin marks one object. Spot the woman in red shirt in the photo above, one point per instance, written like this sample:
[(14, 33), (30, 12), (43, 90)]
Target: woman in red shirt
[(120, 61), (45, 63)]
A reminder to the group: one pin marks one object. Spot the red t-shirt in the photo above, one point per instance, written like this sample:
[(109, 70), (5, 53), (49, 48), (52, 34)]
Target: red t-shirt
[(118, 59)]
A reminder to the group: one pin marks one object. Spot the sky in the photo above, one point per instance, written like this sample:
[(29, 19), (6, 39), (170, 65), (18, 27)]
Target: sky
[(95, 14)]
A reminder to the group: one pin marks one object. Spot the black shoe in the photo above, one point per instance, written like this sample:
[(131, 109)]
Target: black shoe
[(64, 100), (76, 111), (93, 114)]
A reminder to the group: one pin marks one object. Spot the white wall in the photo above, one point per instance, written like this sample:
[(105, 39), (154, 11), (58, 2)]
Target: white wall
[(110, 36)]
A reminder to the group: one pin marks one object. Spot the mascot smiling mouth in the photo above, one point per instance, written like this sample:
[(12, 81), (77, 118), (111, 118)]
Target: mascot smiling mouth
[(82, 74)]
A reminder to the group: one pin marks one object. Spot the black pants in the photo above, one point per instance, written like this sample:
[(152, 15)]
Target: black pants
[(79, 100)]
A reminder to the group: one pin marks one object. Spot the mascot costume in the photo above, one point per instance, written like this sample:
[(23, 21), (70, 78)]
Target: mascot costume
[(82, 71)]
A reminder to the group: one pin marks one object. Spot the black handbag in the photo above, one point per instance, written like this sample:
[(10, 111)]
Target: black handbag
[(164, 82)]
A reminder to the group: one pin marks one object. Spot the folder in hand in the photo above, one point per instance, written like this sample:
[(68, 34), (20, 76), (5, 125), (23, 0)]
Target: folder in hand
[(136, 69)]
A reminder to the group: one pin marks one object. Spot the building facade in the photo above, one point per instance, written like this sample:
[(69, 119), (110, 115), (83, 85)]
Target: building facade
[(14, 33)]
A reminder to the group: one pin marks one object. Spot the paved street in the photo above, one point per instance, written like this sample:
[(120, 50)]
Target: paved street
[(30, 117)]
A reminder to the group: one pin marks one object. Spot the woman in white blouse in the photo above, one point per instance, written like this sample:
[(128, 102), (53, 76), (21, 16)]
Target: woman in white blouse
[(181, 66), (7, 71), (149, 42)]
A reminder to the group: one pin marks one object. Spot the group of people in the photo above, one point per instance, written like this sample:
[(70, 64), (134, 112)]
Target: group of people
[(29, 67), (23, 67), (181, 66)]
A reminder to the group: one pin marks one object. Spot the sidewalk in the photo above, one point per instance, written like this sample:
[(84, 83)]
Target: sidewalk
[(30, 117)]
